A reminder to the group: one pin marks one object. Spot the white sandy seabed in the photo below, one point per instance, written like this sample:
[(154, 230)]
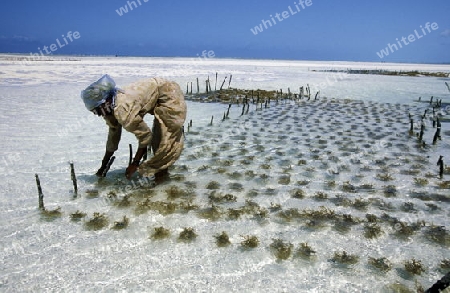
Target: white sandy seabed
[(268, 171)]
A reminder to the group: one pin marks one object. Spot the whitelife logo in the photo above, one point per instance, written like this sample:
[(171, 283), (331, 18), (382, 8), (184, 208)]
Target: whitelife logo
[(48, 50), (130, 5), (429, 27), (266, 24)]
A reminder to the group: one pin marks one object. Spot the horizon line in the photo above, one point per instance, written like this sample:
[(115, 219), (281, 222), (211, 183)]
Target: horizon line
[(237, 58)]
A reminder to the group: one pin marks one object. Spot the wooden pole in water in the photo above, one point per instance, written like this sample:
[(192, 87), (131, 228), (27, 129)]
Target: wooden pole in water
[(191, 88), (437, 135), (215, 85), (229, 82), (130, 146), (228, 111), (198, 87), (224, 80), (440, 163), (41, 195), (212, 119), (74, 178), (187, 88), (422, 128)]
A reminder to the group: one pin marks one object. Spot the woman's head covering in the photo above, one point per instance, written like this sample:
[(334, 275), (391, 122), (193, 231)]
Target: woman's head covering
[(97, 93)]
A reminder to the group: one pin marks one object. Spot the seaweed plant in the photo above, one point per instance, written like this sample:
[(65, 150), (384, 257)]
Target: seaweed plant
[(297, 193), (320, 196), (124, 202), (371, 218), (187, 235), (341, 200), (403, 230), (250, 174), (303, 182), (344, 258), (348, 187), (221, 170), (188, 206), (235, 175), (420, 181), (220, 198), (284, 180), (398, 288), (408, 207), (432, 207), (235, 214), (330, 184), (174, 192), (281, 249), (390, 190), (236, 186), (265, 166), (212, 213), (382, 263), (222, 240), (384, 177), (445, 264), (50, 215), (213, 185), (250, 241), (77, 216), (372, 230), (414, 266), (97, 222), (119, 225), (305, 251), (360, 204), (203, 168), (274, 207), (160, 233), (444, 185), (438, 234)]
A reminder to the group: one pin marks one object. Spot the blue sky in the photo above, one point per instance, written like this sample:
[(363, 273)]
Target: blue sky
[(348, 30)]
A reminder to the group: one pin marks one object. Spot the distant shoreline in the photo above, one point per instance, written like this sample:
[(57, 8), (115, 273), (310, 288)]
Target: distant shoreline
[(56, 56), (389, 72)]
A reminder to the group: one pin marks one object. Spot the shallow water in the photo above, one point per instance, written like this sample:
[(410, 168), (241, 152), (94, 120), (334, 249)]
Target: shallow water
[(290, 171)]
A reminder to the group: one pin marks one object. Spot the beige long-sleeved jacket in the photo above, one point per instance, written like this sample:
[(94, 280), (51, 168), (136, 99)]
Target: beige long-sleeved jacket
[(161, 98)]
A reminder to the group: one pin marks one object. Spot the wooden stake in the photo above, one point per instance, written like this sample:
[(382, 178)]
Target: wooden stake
[(41, 195), (198, 87), (228, 111), (212, 119), (440, 163), (229, 82), (74, 178), (215, 86), (225, 79), (131, 154)]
